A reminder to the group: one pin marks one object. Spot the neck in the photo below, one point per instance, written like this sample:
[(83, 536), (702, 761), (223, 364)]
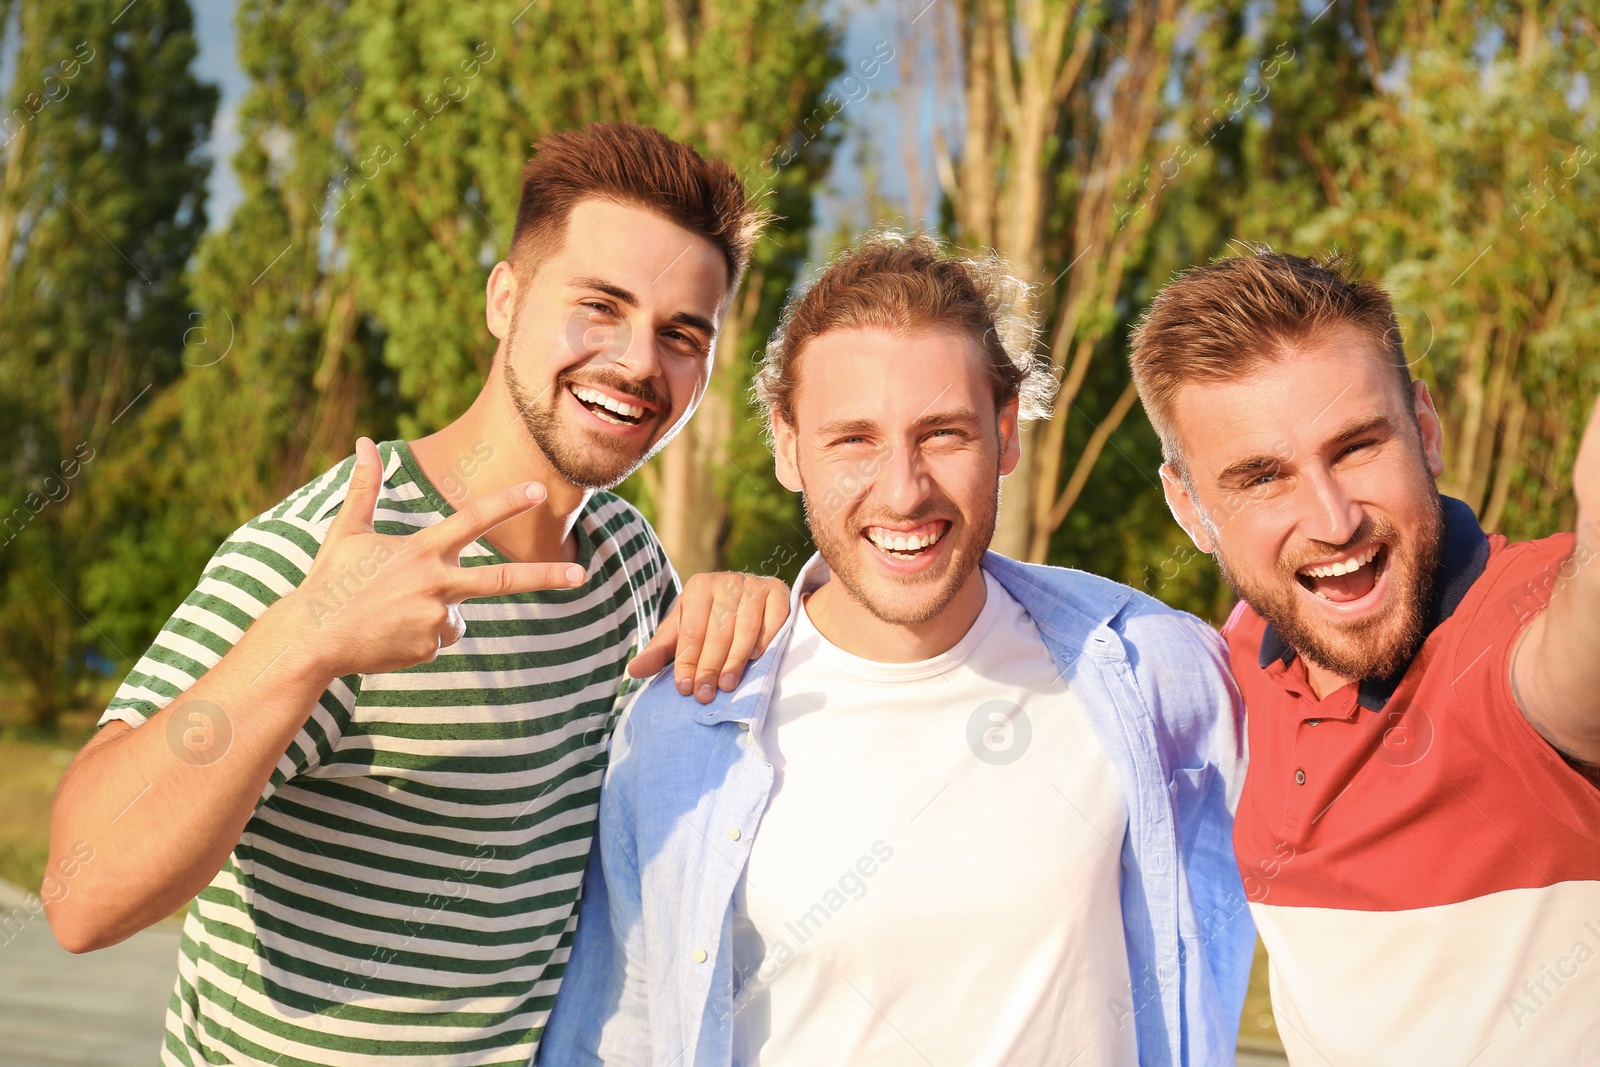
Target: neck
[(487, 449), (1325, 682), (848, 623)]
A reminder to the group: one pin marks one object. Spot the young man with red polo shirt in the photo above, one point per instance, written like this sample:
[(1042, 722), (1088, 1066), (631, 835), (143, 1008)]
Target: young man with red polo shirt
[(1419, 830)]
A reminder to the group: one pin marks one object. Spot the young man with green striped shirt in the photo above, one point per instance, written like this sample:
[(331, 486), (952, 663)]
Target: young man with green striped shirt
[(369, 744)]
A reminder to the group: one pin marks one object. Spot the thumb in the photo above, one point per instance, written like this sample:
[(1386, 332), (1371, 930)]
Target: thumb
[(657, 653), (361, 498)]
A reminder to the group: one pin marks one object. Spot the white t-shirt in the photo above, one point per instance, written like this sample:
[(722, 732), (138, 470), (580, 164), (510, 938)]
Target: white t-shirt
[(936, 878)]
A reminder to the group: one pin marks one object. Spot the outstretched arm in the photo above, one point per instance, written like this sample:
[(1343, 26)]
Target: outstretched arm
[(1555, 671)]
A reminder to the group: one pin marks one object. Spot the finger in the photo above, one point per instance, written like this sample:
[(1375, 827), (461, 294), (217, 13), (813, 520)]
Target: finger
[(746, 629), (360, 505), (721, 622), (657, 652), (482, 515), (775, 613), (693, 612), (509, 579)]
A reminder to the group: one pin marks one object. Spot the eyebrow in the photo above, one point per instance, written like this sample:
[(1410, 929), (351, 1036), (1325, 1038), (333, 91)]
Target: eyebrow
[(1358, 427), (848, 427), (1253, 465), (626, 296)]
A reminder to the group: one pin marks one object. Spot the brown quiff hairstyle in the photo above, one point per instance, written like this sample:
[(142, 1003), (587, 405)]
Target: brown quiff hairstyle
[(906, 283), (640, 167), (1221, 321)]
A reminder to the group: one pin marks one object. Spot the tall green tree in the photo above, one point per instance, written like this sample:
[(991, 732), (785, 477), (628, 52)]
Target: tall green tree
[(101, 203), (281, 367)]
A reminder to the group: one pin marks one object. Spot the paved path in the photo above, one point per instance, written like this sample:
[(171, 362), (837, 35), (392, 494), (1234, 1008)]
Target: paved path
[(105, 1008)]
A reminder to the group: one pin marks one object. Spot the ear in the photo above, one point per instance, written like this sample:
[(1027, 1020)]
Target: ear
[(785, 457), (1428, 423), (1010, 437), (1185, 508), (500, 300)]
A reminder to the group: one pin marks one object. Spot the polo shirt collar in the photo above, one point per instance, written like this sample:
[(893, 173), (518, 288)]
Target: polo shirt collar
[(1463, 554)]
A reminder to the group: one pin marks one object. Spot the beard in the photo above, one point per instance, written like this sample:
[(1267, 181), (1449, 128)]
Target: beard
[(585, 458), (1374, 647), (904, 599)]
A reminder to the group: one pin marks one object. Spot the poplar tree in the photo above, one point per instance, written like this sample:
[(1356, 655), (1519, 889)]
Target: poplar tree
[(101, 203)]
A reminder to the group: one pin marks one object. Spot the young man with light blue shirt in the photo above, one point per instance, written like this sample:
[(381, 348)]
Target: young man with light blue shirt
[(965, 810)]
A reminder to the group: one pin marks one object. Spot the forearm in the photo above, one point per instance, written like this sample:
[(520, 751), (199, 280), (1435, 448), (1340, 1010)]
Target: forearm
[(162, 806)]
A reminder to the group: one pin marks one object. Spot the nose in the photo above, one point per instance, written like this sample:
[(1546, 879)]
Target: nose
[(902, 482), (1331, 515), (634, 353)]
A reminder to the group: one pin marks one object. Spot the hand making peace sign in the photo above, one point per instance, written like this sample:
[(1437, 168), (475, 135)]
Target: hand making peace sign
[(406, 590)]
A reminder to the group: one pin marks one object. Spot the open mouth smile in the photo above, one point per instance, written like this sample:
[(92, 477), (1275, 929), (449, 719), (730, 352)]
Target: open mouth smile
[(608, 408), (907, 544), (1348, 579)]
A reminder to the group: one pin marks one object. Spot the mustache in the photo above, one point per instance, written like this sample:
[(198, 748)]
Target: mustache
[(609, 379), (1371, 530), (936, 510)]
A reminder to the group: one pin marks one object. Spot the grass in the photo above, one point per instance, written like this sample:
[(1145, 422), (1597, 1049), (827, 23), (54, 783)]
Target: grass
[(29, 771)]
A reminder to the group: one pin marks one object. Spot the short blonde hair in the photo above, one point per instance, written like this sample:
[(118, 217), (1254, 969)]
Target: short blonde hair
[(908, 282), (1222, 321)]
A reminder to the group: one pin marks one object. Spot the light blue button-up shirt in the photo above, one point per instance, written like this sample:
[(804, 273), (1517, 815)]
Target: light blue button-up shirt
[(650, 980)]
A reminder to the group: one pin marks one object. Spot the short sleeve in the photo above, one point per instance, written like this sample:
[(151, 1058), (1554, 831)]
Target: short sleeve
[(1516, 588), (260, 563), (667, 585)]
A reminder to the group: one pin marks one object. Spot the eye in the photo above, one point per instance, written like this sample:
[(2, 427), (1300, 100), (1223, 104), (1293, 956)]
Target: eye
[(599, 305), (1261, 479), (1356, 447), (686, 340)]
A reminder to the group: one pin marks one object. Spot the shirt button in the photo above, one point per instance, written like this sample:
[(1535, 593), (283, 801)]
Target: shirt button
[(1313, 722), (744, 726), (1299, 777), (699, 955), (733, 833)]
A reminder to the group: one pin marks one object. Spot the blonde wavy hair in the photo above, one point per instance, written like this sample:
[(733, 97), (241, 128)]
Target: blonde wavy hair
[(908, 282)]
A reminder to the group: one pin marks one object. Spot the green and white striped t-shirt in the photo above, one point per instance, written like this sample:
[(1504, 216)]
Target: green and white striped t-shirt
[(406, 886)]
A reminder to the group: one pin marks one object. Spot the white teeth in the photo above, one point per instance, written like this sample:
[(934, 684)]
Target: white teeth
[(593, 396), (891, 541), (1333, 570)]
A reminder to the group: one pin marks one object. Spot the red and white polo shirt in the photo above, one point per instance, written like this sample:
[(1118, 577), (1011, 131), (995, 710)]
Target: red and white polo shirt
[(1424, 868)]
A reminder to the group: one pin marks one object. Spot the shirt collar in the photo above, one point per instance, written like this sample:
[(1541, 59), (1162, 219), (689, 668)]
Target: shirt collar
[(1463, 554)]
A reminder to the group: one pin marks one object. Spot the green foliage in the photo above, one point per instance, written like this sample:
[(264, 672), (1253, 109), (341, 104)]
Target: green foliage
[(100, 209), (1449, 147)]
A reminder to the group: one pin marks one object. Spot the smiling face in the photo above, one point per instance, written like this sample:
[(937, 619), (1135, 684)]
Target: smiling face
[(607, 347), (1311, 479), (899, 450)]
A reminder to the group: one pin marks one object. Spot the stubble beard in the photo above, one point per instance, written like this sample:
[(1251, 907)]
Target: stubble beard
[(586, 460), (838, 549)]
